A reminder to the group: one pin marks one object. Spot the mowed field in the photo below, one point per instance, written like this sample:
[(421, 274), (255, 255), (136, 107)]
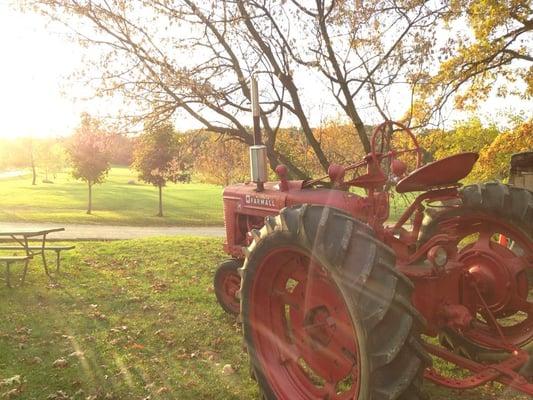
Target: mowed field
[(134, 320), (114, 201)]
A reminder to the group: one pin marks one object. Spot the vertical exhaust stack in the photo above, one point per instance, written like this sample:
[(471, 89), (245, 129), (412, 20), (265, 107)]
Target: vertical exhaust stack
[(258, 153)]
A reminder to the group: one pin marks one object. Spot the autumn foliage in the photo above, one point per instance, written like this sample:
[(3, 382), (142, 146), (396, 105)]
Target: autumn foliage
[(223, 161), (157, 157), (494, 160), (494, 147), (220, 160), (88, 150)]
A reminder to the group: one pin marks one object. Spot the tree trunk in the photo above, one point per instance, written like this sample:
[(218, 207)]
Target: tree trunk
[(34, 174), (160, 214), (90, 205)]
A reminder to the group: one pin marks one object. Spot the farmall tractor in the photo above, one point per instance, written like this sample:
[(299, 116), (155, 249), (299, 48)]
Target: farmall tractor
[(337, 305)]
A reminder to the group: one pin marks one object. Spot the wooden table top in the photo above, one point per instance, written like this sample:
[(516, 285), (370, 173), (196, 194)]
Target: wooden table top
[(29, 232)]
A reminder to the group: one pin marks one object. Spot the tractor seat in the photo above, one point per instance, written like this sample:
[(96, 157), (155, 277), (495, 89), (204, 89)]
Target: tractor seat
[(445, 172)]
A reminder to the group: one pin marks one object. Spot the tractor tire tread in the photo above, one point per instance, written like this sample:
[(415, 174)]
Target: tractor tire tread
[(363, 268)]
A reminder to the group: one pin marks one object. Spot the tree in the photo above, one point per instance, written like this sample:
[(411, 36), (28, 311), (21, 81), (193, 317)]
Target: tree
[(20, 153), (89, 153), (157, 157), (364, 52), (50, 156), (220, 160), (494, 53), (494, 160), (121, 147), (204, 70), (466, 136)]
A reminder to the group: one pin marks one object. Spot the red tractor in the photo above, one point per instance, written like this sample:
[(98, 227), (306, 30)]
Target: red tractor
[(335, 304)]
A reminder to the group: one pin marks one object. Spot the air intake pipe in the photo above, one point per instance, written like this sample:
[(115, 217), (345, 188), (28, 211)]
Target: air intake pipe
[(258, 153)]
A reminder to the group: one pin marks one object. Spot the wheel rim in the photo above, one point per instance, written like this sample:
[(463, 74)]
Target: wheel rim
[(301, 328), (498, 261), (228, 286)]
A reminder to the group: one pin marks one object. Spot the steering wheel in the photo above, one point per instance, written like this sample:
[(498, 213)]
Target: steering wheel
[(384, 153)]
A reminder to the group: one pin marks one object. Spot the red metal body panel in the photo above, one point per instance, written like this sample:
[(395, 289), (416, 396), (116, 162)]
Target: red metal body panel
[(434, 292), (245, 208)]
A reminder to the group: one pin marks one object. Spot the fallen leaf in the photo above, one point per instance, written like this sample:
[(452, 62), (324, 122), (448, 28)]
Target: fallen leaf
[(227, 370), (59, 395), (36, 360), (60, 363), (162, 390), (160, 286), (14, 380), (11, 394), (23, 330)]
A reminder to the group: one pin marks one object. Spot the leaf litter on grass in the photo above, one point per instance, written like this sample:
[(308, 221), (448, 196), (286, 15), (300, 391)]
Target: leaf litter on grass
[(142, 327)]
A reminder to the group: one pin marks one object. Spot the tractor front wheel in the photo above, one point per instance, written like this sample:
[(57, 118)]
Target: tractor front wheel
[(227, 282), (325, 314)]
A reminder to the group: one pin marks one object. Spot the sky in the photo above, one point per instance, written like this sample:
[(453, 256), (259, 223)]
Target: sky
[(34, 65), (38, 99)]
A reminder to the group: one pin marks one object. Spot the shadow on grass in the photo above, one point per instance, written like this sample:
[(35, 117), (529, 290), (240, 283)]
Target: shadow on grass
[(133, 319)]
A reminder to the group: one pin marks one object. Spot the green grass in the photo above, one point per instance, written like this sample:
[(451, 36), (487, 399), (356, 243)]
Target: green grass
[(114, 201), (134, 320)]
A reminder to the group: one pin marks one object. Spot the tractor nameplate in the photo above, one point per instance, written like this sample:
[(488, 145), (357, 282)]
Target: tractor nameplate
[(259, 201)]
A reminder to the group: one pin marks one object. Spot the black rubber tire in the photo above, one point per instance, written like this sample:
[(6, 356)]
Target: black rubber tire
[(230, 266), (376, 294), (495, 199)]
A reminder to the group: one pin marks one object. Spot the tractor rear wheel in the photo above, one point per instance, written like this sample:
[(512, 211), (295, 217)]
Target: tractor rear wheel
[(325, 313), (227, 282), (493, 226)]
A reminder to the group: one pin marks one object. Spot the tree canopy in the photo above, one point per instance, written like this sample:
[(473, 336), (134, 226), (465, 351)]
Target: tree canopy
[(157, 157), (495, 53), (367, 59), (88, 151)]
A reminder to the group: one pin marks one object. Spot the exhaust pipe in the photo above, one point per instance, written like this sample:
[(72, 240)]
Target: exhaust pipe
[(258, 153)]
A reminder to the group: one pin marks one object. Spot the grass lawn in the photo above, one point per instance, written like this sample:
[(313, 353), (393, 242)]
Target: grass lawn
[(117, 203), (114, 201), (133, 320)]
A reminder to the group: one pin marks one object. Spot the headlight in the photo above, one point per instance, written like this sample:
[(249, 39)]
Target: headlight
[(438, 256)]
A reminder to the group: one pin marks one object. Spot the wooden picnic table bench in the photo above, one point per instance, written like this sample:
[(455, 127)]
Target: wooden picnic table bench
[(57, 249), (21, 238)]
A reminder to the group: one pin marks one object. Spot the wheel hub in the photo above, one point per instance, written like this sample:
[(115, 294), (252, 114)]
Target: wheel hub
[(320, 326), (499, 282), (496, 262)]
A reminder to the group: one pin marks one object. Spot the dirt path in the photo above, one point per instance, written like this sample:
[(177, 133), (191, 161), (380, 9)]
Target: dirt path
[(111, 232)]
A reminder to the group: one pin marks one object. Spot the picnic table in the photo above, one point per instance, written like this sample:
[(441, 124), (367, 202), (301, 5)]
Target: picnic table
[(21, 239)]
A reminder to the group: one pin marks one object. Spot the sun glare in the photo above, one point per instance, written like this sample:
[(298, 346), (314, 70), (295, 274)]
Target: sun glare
[(32, 77)]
